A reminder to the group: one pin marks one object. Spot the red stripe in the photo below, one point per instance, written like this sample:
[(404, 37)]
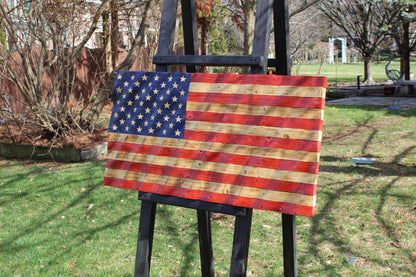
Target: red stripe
[(259, 100), (256, 120), (271, 163), (209, 176), (274, 80), (281, 143), (213, 197)]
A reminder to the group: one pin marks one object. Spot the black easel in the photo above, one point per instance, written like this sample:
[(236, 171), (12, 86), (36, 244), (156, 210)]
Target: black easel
[(258, 63)]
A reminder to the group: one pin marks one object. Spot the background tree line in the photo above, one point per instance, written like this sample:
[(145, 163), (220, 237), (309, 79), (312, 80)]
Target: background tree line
[(47, 38)]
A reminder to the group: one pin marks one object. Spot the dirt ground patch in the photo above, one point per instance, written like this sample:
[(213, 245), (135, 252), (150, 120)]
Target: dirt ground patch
[(82, 141)]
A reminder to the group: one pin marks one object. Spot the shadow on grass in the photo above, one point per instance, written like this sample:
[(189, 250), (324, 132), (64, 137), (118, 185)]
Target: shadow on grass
[(44, 220), (394, 168), (325, 228), (404, 113), (165, 217), (51, 220)]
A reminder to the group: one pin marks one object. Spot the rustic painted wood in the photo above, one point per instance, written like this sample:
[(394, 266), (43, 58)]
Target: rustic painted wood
[(181, 160)]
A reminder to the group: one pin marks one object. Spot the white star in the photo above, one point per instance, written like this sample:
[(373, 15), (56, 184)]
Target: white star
[(177, 133), (149, 84), (139, 130), (147, 110), (119, 76), (159, 111), (144, 77), (158, 124), (115, 115), (141, 103), (175, 85), (132, 77), (171, 125), (129, 103), (126, 83), (140, 116), (122, 108), (133, 122), (151, 131), (166, 118), (114, 127), (130, 90), (174, 98), (161, 97), (148, 97), (155, 104), (127, 128), (182, 92), (146, 123), (136, 97), (183, 79), (168, 92), (173, 112), (152, 117), (156, 77), (178, 119), (180, 106), (128, 115), (137, 83), (163, 85), (167, 105), (118, 89), (155, 91), (170, 78), (164, 131), (121, 121)]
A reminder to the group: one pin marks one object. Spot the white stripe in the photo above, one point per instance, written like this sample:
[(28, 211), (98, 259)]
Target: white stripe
[(267, 152), (250, 130), (241, 170), (273, 111), (241, 191), (256, 89)]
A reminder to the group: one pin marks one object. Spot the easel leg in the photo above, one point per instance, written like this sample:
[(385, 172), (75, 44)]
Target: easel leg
[(241, 244), (205, 243), (145, 239), (289, 245)]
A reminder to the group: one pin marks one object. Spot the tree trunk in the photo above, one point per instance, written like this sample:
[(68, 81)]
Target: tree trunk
[(115, 34), (248, 25), (405, 52), (106, 88), (205, 22), (368, 70), (107, 40)]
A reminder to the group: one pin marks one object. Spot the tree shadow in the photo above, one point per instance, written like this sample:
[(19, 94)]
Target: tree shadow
[(25, 237), (325, 221), (411, 112)]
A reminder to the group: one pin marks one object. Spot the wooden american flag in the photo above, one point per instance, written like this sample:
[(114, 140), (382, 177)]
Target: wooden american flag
[(244, 140)]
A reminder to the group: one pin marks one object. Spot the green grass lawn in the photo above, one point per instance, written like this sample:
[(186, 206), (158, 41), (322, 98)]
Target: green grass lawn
[(58, 220), (347, 73)]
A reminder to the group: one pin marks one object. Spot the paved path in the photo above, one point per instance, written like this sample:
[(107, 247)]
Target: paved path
[(405, 102)]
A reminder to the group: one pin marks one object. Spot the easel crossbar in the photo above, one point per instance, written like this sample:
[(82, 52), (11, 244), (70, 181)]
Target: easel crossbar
[(209, 60)]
